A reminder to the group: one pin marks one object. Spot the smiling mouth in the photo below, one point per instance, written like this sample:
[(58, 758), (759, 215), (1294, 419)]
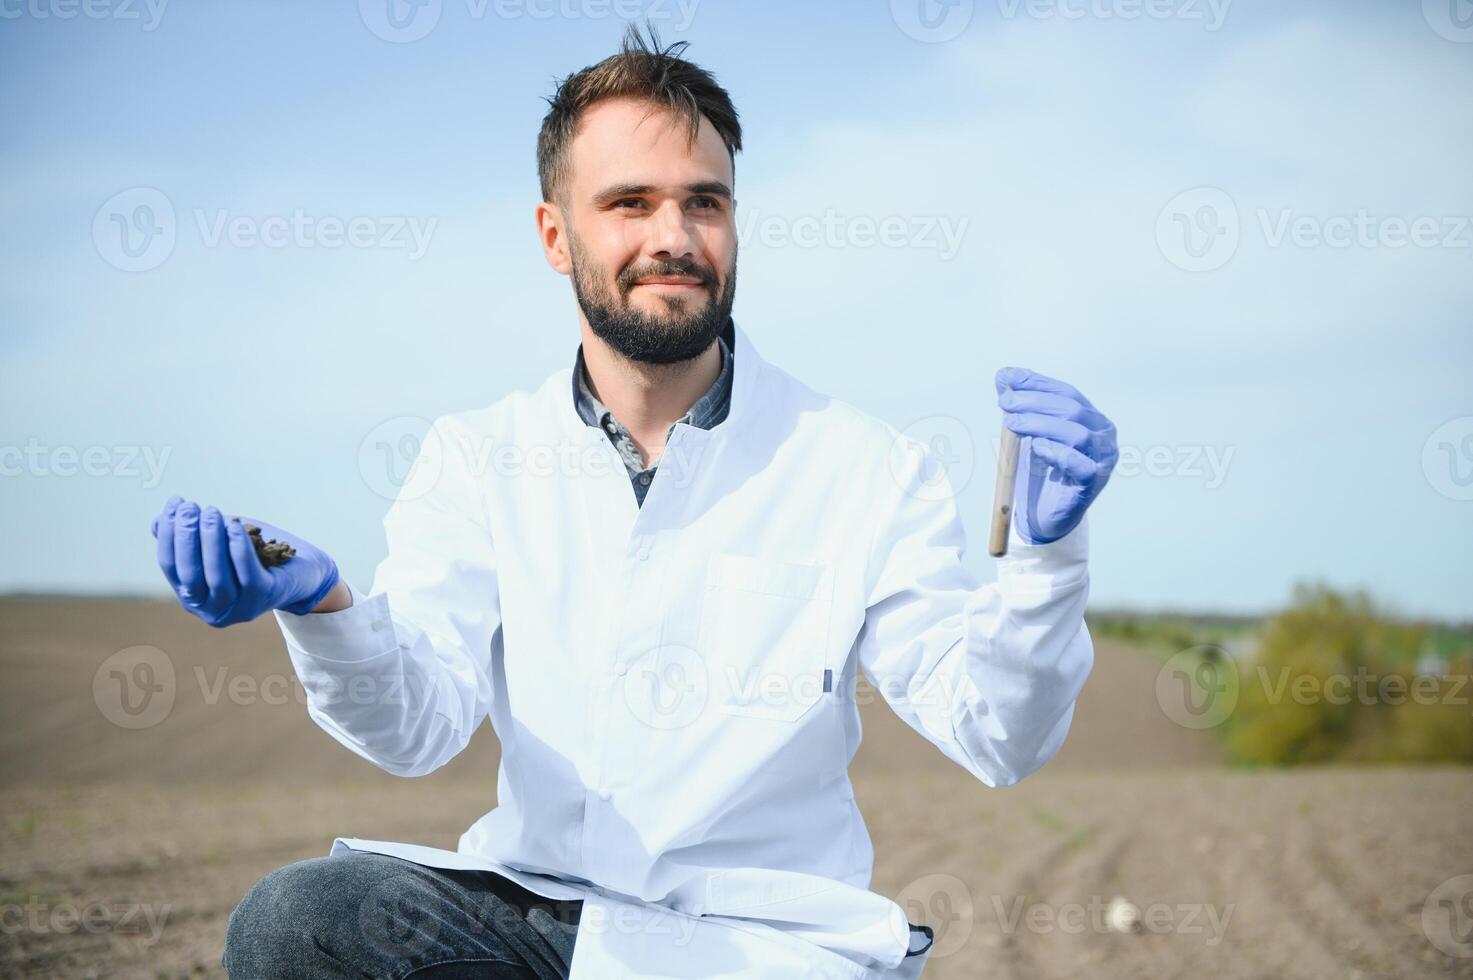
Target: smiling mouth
[(671, 281)]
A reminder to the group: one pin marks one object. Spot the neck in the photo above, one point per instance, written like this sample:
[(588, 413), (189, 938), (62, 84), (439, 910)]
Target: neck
[(647, 398)]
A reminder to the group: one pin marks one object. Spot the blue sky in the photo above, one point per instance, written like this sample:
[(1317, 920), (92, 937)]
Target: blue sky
[(1241, 228)]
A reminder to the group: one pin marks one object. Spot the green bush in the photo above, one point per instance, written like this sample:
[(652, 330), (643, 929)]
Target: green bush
[(1335, 680)]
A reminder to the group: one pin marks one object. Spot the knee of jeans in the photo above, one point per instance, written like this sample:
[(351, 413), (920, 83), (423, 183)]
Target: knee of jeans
[(289, 916)]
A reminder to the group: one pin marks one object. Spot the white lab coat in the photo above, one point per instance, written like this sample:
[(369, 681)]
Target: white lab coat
[(673, 685)]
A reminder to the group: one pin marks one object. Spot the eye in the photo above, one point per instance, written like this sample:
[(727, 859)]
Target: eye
[(627, 200), (705, 203)]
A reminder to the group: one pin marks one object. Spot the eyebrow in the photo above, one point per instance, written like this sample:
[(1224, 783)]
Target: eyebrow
[(714, 188)]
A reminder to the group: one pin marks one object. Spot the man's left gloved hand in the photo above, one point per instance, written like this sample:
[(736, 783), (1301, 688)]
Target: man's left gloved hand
[(1066, 454)]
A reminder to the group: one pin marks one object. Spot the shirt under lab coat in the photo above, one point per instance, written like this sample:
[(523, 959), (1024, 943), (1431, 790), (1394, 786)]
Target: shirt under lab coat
[(673, 685)]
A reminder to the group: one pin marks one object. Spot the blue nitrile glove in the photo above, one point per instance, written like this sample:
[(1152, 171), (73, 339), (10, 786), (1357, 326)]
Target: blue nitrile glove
[(1065, 456), (209, 560)]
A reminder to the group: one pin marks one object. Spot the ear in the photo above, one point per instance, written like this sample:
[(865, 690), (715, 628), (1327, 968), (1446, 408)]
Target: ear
[(554, 242)]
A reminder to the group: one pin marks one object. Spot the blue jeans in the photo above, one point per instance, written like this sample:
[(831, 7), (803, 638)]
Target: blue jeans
[(369, 915)]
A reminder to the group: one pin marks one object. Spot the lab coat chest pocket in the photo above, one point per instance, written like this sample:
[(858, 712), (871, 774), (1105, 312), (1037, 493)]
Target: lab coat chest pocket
[(764, 635)]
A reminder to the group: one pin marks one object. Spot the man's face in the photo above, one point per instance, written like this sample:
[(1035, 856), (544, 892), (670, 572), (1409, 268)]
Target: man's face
[(651, 233)]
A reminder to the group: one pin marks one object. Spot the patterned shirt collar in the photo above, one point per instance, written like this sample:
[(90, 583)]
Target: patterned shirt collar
[(707, 411)]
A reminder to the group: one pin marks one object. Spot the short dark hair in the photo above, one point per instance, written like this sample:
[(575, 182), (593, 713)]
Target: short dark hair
[(641, 70)]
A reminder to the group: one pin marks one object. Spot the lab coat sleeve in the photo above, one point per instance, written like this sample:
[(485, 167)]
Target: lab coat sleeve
[(403, 676), (987, 673)]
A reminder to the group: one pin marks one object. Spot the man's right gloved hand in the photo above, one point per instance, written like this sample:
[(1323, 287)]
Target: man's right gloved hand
[(209, 560)]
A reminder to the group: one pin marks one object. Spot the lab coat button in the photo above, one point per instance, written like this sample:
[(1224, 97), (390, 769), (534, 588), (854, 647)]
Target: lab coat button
[(379, 624), (604, 794), (644, 554), (621, 669)]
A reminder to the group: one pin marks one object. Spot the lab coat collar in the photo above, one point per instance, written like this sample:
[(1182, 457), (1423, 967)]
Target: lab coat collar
[(749, 364)]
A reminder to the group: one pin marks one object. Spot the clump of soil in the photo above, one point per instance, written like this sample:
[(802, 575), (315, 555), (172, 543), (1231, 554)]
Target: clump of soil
[(271, 552)]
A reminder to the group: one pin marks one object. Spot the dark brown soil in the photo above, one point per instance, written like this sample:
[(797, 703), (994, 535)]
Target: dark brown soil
[(123, 850), (271, 552)]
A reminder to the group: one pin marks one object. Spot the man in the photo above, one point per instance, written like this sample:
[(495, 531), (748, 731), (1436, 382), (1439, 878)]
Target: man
[(658, 574)]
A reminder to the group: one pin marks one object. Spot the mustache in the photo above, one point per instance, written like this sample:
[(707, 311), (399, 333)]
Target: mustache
[(631, 276)]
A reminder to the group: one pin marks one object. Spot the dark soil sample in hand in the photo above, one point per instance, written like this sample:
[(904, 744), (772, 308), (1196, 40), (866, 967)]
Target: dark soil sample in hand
[(271, 552)]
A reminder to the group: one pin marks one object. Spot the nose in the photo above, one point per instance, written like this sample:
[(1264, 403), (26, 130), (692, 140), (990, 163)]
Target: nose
[(670, 234)]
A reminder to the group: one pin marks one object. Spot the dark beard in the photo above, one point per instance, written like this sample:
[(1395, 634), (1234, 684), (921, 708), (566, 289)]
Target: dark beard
[(637, 336)]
